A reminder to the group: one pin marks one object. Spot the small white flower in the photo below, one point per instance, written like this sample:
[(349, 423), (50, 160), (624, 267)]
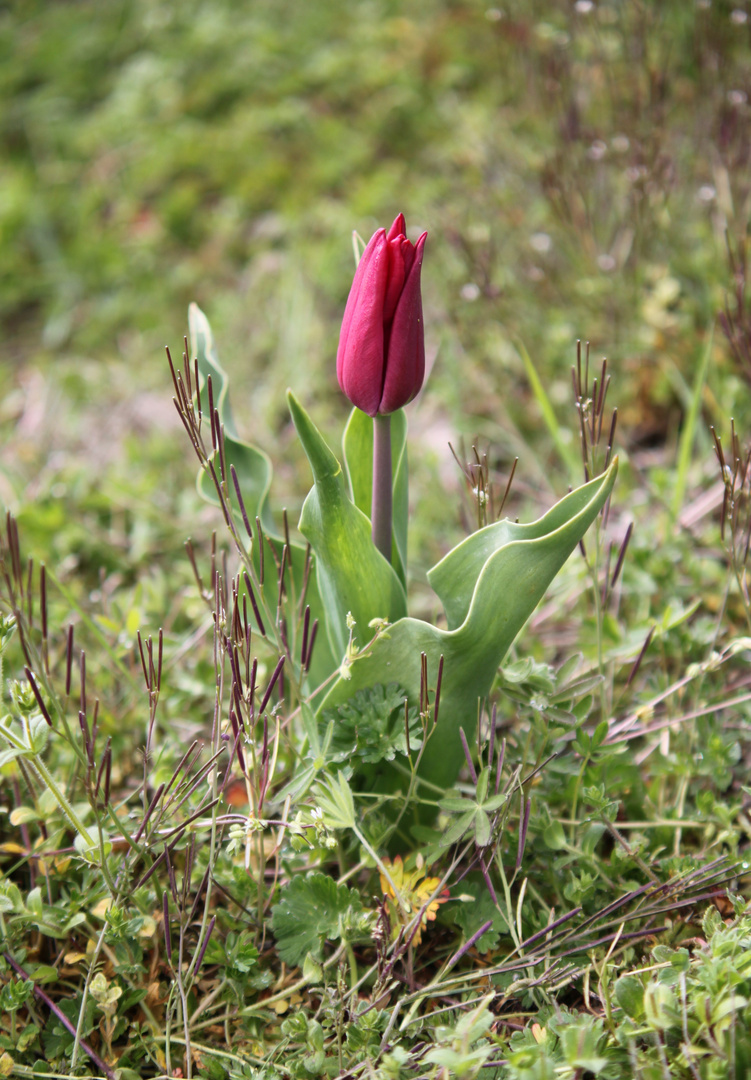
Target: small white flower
[(540, 241), (470, 291)]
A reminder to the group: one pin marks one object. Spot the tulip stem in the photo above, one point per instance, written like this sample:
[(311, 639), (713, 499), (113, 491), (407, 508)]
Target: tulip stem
[(382, 485)]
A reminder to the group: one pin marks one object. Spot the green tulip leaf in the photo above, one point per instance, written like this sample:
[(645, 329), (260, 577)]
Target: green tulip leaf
[(454, 578), (500, 576), (357, 446), (253, 466), (254, 472), (352, 574)]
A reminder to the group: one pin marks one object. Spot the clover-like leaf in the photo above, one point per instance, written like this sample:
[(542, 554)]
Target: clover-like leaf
[(474, 813)]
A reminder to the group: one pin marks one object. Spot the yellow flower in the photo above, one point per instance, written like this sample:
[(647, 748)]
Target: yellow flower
[(415, 890)]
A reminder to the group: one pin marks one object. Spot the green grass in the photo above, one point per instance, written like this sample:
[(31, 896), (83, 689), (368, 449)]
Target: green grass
[(581, 171)]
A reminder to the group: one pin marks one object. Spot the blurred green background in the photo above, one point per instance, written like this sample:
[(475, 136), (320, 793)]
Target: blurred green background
[(578, 166)]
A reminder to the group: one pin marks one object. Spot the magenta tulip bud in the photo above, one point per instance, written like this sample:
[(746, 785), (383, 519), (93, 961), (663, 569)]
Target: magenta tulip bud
[(380, 363)]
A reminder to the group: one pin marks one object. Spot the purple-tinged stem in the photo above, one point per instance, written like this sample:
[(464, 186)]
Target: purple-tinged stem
[(167, 931), (381, 511), (204, 946), (38, 992), (467, 755), (272, 682), (488, 882), (523, 826), (468, 945), (499, 768), (38, 696)]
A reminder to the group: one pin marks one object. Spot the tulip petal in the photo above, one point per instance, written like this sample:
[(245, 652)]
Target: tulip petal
[(405, 349), (363, 268), (360, 357), (399, 228), (398, 250)]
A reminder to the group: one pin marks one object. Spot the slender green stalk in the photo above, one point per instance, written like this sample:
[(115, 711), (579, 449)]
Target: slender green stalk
[(89, 975), (74, 820), (599, 621), (383, 869), (213, 834), (184, 1004), (381, 507)]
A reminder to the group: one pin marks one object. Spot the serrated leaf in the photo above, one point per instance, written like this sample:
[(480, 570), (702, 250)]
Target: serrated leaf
[(370, 726), (309, 914), (245, 956), (470, 916)]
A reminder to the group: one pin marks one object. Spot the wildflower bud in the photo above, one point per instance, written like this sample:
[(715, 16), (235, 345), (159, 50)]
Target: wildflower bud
[(380, 363)]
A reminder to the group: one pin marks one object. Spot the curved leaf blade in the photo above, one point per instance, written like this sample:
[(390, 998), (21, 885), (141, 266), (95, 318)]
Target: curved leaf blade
[(254, 473), (252, 465), (511, 583), (352, 574), (455, 577)]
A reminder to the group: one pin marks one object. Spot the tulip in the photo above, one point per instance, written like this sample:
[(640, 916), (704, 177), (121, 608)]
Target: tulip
[(380, 363)]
